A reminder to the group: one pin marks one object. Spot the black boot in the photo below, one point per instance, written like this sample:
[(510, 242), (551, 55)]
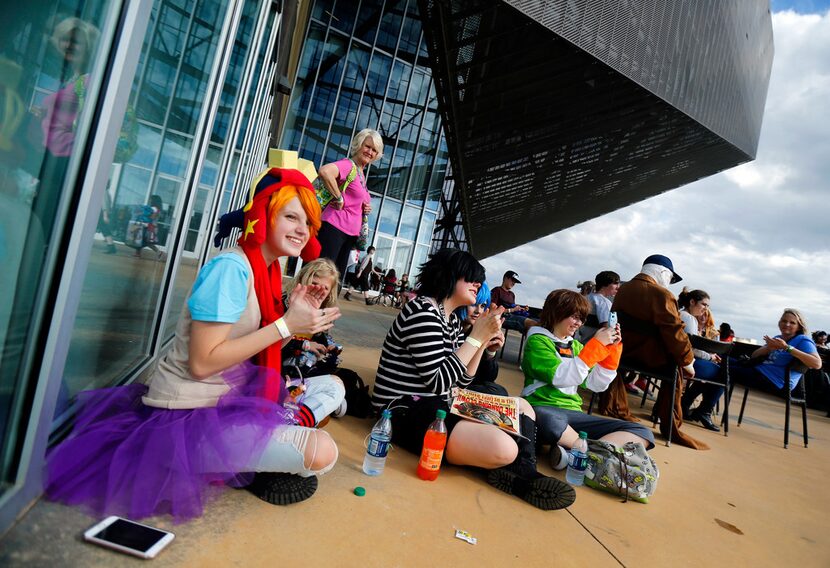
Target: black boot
[(282, 488), (689, 396), (521, 478), (706, 421)]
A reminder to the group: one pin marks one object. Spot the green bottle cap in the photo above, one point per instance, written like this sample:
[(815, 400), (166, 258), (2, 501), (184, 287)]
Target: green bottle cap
[(387, 413), (359, 491), (583, 435), (441, 414)]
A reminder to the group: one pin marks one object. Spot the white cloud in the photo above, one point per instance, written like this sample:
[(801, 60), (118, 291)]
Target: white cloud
[(754, 237)]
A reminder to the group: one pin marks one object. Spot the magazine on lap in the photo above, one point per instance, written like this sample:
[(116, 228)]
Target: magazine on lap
[(501, 411)]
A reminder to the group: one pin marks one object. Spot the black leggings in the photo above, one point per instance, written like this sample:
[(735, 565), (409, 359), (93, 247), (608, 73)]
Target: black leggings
[(336, 245)]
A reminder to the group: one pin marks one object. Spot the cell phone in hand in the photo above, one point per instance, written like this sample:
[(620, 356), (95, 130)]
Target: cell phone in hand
[(612, 320), (129, 537)]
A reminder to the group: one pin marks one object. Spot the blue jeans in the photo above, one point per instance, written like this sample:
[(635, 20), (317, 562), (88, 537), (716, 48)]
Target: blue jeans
[(709, 371), (551, 422)]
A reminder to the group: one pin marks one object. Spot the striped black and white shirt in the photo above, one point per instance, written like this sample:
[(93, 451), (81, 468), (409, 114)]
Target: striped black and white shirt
[(418, 355)]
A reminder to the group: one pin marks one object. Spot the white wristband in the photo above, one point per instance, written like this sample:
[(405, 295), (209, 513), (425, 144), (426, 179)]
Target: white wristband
[(474, 342), (282, 328)]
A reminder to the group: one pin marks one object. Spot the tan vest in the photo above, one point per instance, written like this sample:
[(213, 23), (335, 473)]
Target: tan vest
[(172, 385)]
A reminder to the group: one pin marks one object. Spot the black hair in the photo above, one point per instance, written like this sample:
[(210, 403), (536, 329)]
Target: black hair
[(685, 298), (439, 274), (606, 278), (391, 273)]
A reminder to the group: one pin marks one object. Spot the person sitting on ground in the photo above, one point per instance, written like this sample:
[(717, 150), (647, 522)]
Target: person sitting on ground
[(608, 282), (402, 295), (425, 355), (389, 281), (654, 339), (311, 356), (208, 414), (725, 333), (361, 278), (488, 367), (504, 297), (820, 339), (774, 357), (555, 365), (693, 304)]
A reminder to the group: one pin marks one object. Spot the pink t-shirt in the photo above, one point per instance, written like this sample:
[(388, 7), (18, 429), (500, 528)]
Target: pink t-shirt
[(350, 217)]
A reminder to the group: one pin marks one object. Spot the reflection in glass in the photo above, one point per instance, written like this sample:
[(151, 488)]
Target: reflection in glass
[(46, 65), (389, 214), (115, 326)]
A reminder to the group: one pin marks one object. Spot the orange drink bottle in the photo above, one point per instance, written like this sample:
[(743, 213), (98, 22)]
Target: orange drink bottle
[(434, 442)]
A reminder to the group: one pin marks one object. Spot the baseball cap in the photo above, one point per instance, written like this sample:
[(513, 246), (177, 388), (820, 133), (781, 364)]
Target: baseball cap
[(664, 261), (513, 276)]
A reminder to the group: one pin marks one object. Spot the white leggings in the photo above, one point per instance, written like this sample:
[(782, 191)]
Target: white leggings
[(286, 449)]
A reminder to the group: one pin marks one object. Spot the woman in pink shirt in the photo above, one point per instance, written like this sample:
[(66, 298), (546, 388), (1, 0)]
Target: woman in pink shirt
[(343, 216)]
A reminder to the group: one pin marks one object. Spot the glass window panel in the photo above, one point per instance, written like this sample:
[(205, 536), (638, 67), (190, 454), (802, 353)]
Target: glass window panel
[(383, 251), (389, 215), (410, 33), (322, 9), (420, 257), (301, 94), (390, 25), (401, 257), (344, 14), (409, 223), (49, 52), (427, 226), (117, 318), (367, 20), (175, 154)]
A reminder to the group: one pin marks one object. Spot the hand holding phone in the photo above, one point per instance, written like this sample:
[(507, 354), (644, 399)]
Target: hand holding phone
[(129, 537), (612, 320)]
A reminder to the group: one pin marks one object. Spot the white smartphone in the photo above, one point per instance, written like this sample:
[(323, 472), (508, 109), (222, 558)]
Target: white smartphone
[(612, 320), (129, 537)]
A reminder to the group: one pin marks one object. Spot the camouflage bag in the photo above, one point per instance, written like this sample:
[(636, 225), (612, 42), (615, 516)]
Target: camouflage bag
[(626, 471)]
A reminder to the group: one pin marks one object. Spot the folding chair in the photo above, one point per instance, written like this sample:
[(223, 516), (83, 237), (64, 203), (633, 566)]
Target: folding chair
[(800, 399), (722, 349)]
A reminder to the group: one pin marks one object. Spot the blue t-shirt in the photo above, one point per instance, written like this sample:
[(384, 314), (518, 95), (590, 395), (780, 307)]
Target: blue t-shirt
[(775, 365), (220, 292)]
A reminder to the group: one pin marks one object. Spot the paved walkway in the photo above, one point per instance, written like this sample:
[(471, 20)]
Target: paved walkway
[(746, 502)]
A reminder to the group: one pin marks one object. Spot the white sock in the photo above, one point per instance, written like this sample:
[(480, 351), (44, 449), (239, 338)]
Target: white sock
[(562, 463)]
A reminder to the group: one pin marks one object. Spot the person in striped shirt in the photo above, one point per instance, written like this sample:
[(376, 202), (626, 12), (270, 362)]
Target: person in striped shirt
[(425, 355)]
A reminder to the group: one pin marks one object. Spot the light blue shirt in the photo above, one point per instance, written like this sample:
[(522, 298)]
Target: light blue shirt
[(220, 293)]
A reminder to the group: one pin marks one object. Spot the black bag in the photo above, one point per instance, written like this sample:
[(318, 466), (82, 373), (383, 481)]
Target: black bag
[(358, 401)]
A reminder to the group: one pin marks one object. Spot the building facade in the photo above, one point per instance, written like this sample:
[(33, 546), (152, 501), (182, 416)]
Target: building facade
[(364, 65), (123, 125)]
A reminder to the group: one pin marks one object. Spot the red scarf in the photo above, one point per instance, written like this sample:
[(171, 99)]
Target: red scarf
[(268, 280)]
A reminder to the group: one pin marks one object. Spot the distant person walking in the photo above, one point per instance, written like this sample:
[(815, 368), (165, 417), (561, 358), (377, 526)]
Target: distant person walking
[(343, 216)]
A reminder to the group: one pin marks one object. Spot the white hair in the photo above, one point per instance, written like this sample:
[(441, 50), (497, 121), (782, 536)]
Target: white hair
[(661, 274), (360, 137)]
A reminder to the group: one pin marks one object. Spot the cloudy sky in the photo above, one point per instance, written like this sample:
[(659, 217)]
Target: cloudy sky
[(754, 237)]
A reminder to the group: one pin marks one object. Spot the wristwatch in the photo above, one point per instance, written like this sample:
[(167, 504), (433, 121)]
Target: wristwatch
[(790, 348)]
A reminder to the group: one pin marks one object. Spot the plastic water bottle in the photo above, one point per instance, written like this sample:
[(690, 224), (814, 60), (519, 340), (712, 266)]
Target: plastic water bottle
[(379, 441), (578, 461), (434, 442)]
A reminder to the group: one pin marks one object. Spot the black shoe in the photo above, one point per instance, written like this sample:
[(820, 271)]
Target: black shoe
[(546, 493), (368, 302), (688, 414), (706, 421), (347, 296), (282, 488)]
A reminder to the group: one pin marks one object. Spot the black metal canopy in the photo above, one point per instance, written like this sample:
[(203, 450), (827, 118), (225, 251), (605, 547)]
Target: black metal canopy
[(557, 112)]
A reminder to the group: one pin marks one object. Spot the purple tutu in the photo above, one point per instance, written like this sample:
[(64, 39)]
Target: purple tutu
[(128, 459)]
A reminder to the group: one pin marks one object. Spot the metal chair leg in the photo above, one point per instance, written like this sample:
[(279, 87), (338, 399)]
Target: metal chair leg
[(743, 405), (671, 413), (787, 418)]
